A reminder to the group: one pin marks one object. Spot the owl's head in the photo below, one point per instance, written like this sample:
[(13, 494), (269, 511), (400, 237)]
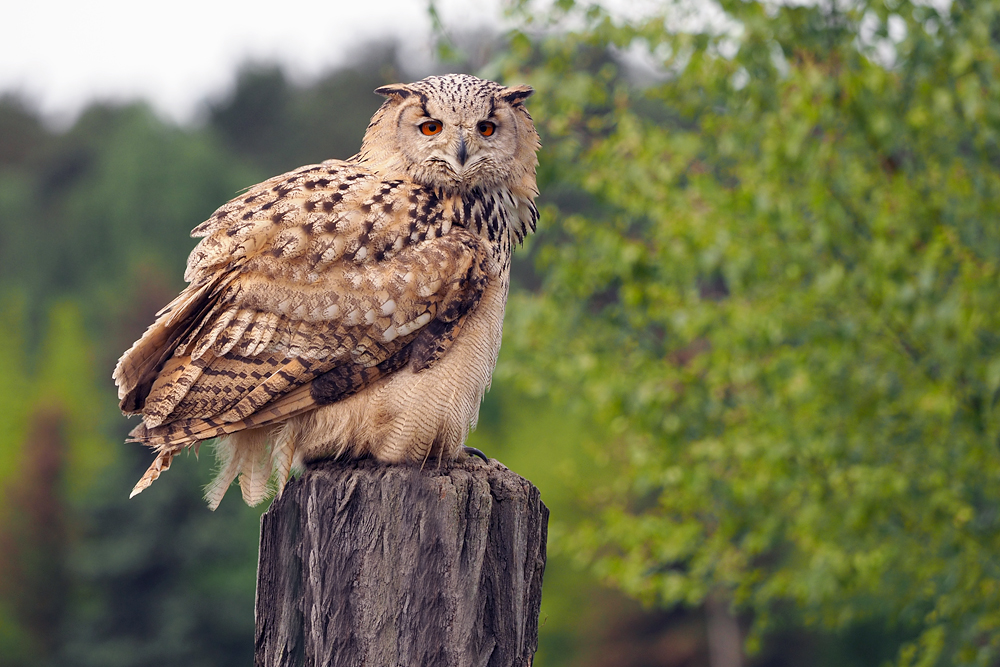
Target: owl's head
[(455, 132)]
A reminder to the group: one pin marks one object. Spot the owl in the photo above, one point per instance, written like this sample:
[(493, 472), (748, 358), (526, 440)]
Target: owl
[(350, 308)]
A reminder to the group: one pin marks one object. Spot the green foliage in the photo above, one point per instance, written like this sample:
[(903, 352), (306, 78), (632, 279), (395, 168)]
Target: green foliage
[(163, 581), (766, 274), (280, 126), (14, 382), (772, 275), (65, 377), (52, 454), (81, 213)]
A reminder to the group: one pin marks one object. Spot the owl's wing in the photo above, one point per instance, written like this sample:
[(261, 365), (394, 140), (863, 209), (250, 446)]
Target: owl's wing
[(303, 291)]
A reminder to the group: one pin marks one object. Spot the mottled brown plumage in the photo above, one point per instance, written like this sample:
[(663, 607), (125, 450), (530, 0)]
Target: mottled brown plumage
[(347, 308)]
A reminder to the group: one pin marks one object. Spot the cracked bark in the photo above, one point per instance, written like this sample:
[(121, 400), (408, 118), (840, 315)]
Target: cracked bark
[(363, 563)]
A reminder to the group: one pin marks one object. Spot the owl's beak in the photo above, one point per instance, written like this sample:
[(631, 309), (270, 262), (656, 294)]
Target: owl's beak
[(463, 151)]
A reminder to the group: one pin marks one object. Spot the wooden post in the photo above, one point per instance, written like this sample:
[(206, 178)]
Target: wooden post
[(367, 564)]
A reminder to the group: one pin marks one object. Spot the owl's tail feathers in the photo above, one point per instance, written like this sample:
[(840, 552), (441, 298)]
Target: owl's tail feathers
[(160, 463), (244, 448)]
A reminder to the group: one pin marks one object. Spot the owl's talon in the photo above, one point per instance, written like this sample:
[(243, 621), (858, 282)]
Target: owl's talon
[(472, 451)]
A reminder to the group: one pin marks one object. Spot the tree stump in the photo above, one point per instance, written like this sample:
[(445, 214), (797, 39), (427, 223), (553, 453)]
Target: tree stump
[(363, 563)]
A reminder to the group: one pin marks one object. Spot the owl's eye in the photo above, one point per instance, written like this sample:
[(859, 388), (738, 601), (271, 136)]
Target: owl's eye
[(486, 128), (430, 127)]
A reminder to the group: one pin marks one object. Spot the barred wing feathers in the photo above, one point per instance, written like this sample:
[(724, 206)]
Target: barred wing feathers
[(303, 290)]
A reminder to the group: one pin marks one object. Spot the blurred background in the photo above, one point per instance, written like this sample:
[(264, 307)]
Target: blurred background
[(751, 358)]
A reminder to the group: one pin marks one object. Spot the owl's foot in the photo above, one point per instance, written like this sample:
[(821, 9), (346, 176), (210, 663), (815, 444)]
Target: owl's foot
[(472, 451)]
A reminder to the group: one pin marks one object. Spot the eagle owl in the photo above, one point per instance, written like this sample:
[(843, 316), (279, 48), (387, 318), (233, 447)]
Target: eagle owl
[(349, 308)]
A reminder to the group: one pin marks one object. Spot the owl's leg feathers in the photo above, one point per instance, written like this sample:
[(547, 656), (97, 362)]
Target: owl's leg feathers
[(283, 454)]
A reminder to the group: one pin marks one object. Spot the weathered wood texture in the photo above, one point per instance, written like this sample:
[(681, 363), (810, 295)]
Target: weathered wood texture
[(363, 563)]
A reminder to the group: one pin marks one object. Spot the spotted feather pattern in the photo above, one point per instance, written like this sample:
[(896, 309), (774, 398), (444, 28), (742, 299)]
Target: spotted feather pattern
[(321, 283), (354, 284)]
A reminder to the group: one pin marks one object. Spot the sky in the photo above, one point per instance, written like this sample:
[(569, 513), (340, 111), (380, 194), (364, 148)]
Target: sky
[(61, 54)]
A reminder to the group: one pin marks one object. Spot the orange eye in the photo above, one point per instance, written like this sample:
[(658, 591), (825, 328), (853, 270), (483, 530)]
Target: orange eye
[(486, 128), (430, 128)]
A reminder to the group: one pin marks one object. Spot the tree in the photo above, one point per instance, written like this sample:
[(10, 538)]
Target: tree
[(280, 126), (89, 218), (771, 274)]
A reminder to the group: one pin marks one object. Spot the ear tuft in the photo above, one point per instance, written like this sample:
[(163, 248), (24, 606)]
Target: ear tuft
[(399, 91), (516, 94)]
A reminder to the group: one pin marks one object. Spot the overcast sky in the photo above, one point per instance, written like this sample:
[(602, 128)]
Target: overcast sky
[(61, 54)]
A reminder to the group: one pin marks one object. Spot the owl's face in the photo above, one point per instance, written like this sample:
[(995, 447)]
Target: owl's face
[(455, 132)]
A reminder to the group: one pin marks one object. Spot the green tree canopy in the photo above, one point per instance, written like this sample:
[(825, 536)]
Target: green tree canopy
[(772, 275)]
